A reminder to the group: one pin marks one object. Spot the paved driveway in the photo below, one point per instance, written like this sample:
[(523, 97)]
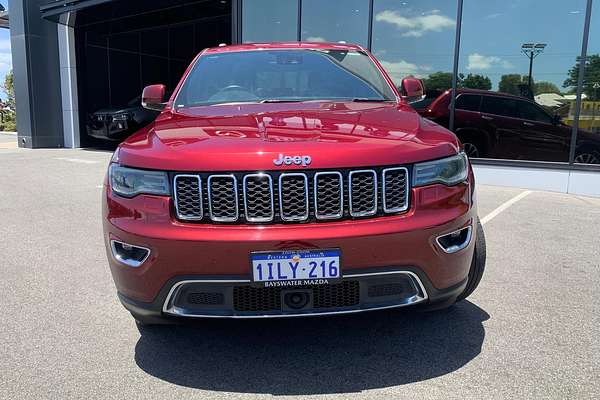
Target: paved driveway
[(530, 331)]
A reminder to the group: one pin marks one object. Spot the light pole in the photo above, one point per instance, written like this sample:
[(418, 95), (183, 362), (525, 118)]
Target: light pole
[(532, 50)]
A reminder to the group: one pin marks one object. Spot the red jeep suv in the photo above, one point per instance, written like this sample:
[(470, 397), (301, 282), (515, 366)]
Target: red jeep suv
[(289, 179)]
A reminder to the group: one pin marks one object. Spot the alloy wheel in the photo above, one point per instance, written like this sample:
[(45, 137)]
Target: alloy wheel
[(587, 158), (471, 150)]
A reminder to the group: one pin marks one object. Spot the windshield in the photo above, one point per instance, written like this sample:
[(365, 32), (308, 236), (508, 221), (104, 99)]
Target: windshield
[(283, 75)]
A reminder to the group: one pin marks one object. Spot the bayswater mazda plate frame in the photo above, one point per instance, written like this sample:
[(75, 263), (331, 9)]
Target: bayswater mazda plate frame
[(292, 268)]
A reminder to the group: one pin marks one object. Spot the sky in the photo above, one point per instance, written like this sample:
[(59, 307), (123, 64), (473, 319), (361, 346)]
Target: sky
[(5, 56), (417, 37)]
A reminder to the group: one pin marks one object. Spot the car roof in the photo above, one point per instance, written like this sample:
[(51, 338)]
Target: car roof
[(490, 93), (283, 46)]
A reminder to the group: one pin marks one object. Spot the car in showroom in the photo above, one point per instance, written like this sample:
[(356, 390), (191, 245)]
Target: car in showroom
[(285, 180), (117, 123), (504, 126)]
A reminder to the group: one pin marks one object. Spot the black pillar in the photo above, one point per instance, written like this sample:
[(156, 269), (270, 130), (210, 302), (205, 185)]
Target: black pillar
[(36, 69)]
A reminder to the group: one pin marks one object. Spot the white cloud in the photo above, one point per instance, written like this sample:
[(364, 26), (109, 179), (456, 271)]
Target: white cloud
[(416, 26), (315, 39), (480, 62), (401, 69)]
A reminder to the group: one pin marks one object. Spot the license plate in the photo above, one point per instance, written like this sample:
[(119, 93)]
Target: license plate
[(296, 267)]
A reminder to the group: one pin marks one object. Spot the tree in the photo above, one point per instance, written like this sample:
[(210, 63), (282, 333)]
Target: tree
[(512, 84), (438, 81), (8, 118), (591, 78), (476, 81), (545, 87), (9, 89)]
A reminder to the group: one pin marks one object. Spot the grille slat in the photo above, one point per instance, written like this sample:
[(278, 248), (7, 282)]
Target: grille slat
[(274, 197), (329, 195), (188, 197), (395, 191), (222, 198), (258, 198), (363, 193), (293, 197)]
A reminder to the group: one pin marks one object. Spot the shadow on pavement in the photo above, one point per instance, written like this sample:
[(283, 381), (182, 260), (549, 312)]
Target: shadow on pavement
[(316, 355)]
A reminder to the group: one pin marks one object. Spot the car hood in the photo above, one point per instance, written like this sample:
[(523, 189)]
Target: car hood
[(251, 136)]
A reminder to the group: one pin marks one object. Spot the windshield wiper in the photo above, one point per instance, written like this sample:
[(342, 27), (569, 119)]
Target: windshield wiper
[(279, 101), (367, 100)]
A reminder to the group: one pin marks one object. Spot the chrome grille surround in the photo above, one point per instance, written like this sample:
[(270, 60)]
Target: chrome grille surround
[(219, 197), (395, 189), (187, 207), (362, 203), (320, 192), (287, 203), (253, 197), (259, 197)]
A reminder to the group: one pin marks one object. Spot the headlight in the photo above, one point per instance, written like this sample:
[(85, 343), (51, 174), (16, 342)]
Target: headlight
[(129, 182), (449, 171)]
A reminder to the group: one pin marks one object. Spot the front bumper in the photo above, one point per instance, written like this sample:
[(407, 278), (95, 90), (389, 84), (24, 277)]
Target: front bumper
[(363, 291), (402, 245)]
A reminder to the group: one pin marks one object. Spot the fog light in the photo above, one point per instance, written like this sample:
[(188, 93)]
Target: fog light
[(129, 254), (455, 241)]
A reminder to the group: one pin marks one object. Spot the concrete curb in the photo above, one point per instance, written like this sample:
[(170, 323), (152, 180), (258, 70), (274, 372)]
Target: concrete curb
[(8, 133)]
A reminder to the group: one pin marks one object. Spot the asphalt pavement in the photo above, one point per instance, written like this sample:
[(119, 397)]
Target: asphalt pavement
[(529, 332)]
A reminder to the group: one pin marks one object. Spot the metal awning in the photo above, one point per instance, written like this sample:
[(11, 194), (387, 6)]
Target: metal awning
[(57, 10)]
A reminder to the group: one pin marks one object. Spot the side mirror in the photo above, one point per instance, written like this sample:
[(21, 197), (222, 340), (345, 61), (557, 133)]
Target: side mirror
[(412, 89), (153, 97)]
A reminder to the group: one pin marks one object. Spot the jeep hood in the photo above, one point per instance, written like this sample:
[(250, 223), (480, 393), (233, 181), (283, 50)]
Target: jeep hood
[(250, 136)]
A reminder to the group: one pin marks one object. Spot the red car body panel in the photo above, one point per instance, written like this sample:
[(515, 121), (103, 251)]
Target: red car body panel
[(248, 137)]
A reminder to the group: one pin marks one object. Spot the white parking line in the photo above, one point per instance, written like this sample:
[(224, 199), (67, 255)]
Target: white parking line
[(504, 206), (77, 160)]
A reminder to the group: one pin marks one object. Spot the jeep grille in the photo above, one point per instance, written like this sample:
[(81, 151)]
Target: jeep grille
[(282, 197)]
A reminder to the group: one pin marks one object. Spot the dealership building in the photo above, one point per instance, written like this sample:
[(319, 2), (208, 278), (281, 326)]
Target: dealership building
[(73, 57)]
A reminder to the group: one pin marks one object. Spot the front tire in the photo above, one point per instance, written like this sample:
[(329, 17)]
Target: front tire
[(477, 265)]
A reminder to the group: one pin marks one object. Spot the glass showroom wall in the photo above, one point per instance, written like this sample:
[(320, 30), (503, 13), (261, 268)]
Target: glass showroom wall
[(518, 64), (333, 21), (269, 21), (523, 58), (589, 120), (416, 39)]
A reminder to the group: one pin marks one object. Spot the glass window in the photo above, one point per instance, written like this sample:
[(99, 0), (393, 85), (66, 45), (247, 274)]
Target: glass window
[(334, 21), (527, 49), (283, 75), (416, 38), (502, 106), (468, 102), (587, 150), (269, 21), (532, 112)]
